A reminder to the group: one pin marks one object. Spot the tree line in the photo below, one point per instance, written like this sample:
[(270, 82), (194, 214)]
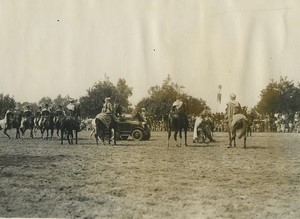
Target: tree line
[(279, 96)]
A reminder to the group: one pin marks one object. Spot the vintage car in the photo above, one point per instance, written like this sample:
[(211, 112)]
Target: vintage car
[(137, 130)]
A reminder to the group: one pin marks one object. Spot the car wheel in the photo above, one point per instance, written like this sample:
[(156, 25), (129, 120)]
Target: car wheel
[(137, 135)]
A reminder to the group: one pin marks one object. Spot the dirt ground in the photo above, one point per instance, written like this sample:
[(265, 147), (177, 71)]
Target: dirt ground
[(147, 180)]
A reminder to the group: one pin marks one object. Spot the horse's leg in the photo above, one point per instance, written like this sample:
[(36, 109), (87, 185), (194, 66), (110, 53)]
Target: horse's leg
[(76, 135), (175, 136), (71, 139), (115, 143), (31, 133), (109, 135), (92, 132), (4, 131), (103, 135), (51, 133), (17, 133), (180, 137), (169, 136), (61, 136), (185, 137)]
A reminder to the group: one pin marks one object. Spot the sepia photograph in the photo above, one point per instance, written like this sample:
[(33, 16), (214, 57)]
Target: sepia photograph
[(135, 109)]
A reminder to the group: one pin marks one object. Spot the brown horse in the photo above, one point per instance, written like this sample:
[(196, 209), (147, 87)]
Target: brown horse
[(68, 124)]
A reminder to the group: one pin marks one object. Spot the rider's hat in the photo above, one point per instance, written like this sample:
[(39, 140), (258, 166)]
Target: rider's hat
[(232, 96)]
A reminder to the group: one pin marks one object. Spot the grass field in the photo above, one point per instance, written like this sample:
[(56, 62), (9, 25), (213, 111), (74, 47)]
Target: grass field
[(145, 179)]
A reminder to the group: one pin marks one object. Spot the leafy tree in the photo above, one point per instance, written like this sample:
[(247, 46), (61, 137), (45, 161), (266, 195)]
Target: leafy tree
[(61, 101), (282, 96), (6, 103), (160, 100), (45, 100), (92, 103)]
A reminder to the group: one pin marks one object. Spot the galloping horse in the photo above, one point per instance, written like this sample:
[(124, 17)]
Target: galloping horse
[(106, 122), (177, 122), (239, 122), (68, 124)]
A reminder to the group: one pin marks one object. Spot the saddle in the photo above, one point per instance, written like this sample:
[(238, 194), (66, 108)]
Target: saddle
[(105, 118)]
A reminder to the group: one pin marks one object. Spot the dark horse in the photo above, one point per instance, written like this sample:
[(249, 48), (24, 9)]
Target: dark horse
[(106, 122), (27, 123), (46, 125), (177, 122), (68, 124)]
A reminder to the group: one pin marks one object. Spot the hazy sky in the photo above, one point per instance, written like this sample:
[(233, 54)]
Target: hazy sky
[(50, 47)]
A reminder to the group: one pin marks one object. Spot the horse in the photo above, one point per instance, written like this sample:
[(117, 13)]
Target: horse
[(6, 123), (107, 122), (68, 124), (46, 125), (239, 122), (27, 123), (10, 121), (36, 123), (177, 122)]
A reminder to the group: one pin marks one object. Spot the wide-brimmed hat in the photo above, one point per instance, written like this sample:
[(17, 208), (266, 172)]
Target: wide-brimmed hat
[(107, 98)]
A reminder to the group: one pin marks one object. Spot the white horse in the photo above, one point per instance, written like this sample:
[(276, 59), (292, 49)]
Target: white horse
[(4, 123)]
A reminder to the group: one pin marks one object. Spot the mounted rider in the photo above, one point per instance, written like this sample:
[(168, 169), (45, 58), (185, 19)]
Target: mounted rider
[(27, 114), (38, 116), (59, 114), (107, 106), (71, 108), (233, 108), (45, 114), (178, 106)]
